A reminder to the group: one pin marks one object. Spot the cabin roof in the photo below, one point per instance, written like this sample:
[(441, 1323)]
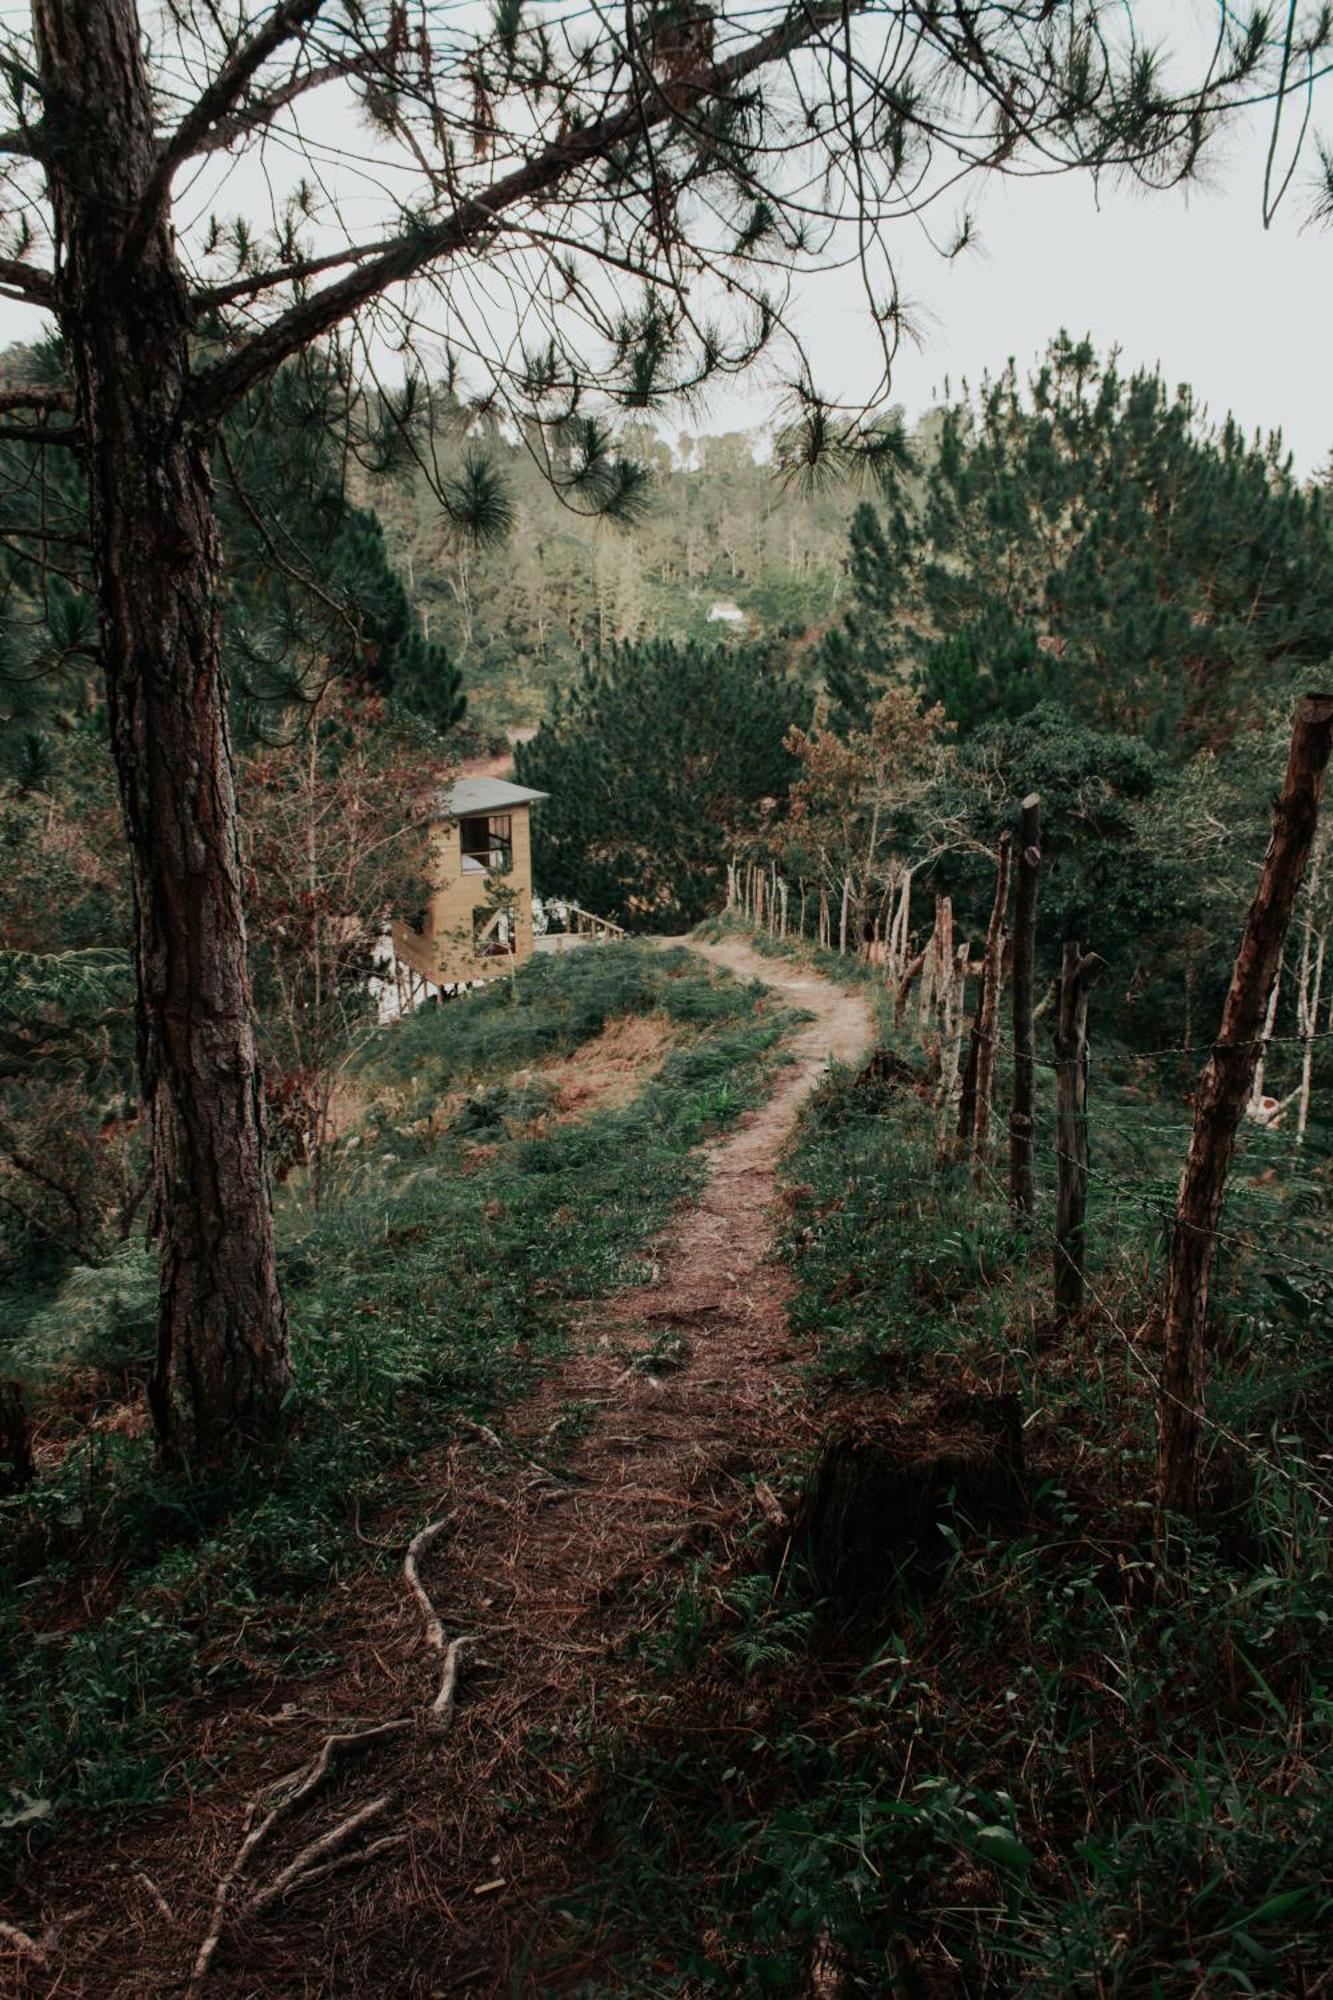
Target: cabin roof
[(484, 795)]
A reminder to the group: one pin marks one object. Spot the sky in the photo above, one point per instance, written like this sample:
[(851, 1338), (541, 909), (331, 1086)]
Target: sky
[(1193, 283)]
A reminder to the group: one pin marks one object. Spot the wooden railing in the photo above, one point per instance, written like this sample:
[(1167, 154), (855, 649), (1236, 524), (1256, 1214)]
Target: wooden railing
[(582, 923)]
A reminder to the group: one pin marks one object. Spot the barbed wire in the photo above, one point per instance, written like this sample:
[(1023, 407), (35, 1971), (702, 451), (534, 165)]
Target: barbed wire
[(1319, 1494), (1200, 1049), (1164, 1211)]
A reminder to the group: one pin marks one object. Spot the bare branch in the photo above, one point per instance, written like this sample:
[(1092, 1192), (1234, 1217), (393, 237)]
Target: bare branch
[(257, 112), (35, 396), (296, 272), (37, 286)]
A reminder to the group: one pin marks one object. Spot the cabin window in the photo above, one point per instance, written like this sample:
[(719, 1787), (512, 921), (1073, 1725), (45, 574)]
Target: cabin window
[(488, 844), (490, 932)]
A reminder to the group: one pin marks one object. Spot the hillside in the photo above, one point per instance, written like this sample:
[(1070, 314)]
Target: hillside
[(718, 528)]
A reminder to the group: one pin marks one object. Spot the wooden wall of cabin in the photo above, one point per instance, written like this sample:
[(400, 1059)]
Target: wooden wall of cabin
[(443, 950)]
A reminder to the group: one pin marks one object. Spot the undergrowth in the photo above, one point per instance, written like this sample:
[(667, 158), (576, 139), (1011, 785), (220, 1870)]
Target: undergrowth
[(1044, 1764), (435, 1282)]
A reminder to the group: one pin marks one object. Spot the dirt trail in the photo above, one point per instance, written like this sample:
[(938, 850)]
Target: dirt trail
[(547, 1571)]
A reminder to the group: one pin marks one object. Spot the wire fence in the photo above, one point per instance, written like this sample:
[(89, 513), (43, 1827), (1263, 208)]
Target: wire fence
[(1157, 1147)]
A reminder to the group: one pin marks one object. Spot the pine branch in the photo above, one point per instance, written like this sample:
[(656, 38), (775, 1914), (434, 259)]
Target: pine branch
[(35, 285), (213, 108), (222, 385)]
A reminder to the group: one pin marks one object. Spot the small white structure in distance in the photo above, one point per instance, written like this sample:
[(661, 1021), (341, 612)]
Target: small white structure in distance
[(724, 612)]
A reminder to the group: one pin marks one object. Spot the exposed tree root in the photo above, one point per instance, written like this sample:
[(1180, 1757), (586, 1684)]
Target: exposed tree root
[(280, 1799), (315, 1851), (13, 1939), (497, 1443), (442, 1708)]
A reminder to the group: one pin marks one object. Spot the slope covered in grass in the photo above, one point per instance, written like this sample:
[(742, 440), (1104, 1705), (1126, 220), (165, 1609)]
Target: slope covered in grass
[(438, 1277), (1019, 1754)]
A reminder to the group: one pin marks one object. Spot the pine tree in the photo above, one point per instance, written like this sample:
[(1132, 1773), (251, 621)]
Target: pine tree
[(658, 762)]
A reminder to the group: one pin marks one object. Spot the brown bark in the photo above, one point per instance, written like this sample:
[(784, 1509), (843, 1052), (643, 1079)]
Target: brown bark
[(1070, 1030), (985, 1029), (1024, 976), (222, 1371), (910, 971), (1218, 1103)]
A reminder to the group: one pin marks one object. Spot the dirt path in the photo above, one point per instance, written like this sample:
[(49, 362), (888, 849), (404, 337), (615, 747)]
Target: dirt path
[(548, 1572)]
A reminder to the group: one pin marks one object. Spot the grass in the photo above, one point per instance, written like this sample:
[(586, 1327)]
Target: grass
[(1045, 1766), (436, 1282)]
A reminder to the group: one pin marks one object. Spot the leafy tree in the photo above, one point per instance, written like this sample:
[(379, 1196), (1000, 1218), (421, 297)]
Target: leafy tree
[(73, 1159), (855, 801), (659, 762), (389, 648), (871, 647), (665, 145), (1103, 878)]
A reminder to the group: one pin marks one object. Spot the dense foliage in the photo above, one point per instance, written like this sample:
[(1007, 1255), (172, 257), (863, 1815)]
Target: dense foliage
[(1088, 537), (659, 761)]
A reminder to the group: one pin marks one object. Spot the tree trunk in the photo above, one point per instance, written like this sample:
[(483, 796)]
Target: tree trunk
[(985, 1029), (222, 1372), (1256, 1097), (1219, 1102), (1309, 990), (1077, 972), (900, 929), (1024, 977)]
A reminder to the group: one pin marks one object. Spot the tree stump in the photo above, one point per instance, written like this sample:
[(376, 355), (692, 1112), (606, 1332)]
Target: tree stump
[(872, 1510)]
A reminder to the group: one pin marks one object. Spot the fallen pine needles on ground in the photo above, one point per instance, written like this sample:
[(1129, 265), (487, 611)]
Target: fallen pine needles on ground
[(432, 1286)]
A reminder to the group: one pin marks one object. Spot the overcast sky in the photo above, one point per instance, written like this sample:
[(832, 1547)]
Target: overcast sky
[(1194, 283), (1188, 281)]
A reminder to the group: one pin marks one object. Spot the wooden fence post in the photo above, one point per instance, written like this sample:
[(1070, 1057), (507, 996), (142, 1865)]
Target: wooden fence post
[(1078, 969), (1024, 974), (1218, 1104), (900, 929), (842, 920), (985, 1028), (951, 1040)]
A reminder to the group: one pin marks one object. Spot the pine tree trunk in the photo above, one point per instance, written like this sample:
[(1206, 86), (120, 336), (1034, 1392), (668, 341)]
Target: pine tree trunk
[(1024, 977), (1218, 1103), (222, 1372)]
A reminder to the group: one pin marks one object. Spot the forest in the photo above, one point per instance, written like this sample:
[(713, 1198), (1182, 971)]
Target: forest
[(666, 1110)]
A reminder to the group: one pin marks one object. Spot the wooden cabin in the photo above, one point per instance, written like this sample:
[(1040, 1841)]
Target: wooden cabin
[(477, 923)]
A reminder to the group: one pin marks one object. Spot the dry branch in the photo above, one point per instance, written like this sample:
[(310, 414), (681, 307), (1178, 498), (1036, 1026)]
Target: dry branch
[(286, 1793), (19, 1941)]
